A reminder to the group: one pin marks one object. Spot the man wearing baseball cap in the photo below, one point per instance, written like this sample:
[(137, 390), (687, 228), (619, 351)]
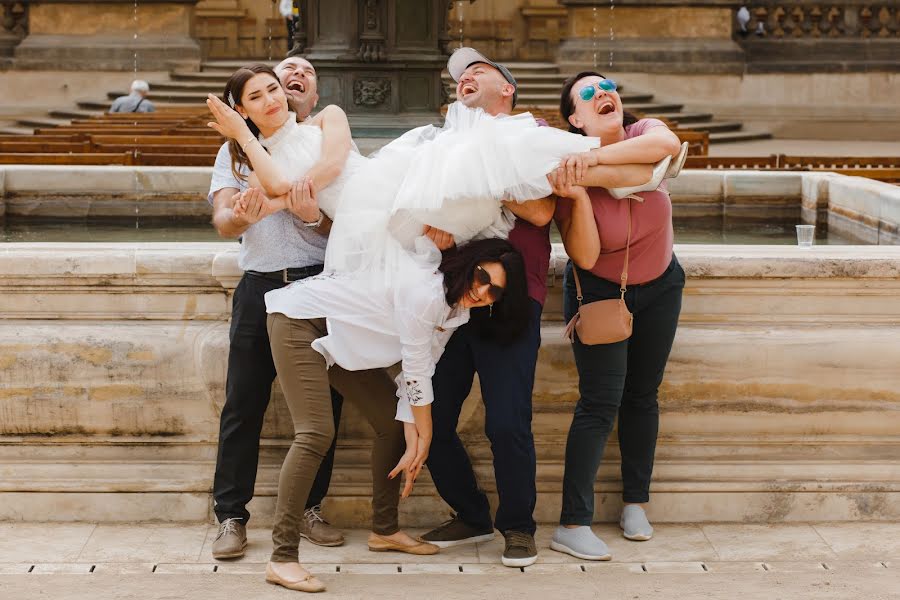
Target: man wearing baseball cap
[(506, 372)]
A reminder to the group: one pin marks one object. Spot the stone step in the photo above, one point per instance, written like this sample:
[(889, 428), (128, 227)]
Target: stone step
[(101, 105), (170, 95), (74, 113), (683, 117), (654, 107), (38, 122), (16, 130), (740, 136), (715, 126)]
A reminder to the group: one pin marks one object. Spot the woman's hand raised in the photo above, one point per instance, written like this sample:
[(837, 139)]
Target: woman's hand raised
[(228, 121)]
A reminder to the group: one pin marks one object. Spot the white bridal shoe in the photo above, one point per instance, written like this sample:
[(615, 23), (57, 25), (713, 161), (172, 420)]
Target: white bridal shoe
[(677, 162), (667, 168), (659, 173)]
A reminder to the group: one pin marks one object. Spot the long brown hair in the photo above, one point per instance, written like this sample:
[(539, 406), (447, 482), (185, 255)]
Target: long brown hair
[(234, 90), (567, 105)]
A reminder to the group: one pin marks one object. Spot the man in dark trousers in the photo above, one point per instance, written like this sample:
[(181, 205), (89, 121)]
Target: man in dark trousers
[(506, 372)]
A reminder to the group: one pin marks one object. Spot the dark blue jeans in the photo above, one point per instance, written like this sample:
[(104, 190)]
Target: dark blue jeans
[(506, 373), (622, 378), (248, 387)]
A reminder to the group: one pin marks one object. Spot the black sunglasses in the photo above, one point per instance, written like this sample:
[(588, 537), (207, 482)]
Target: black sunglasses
[(482, 277)]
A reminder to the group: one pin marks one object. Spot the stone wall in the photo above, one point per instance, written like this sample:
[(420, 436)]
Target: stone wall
[(114, 35)]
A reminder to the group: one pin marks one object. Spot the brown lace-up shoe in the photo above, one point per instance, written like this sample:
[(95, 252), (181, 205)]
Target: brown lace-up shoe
[(520, 549), (231, 540), (319, 531)]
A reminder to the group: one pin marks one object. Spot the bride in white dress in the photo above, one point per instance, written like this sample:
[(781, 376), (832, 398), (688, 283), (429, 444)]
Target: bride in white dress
[(452, 178)]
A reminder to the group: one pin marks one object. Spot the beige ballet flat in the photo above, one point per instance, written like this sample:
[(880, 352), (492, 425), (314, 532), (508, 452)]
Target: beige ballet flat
[(380, 544), (307, 584)]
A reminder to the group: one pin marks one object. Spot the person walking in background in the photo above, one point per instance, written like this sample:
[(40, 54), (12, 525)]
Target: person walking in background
[(290, 14), (136, 101), (613, 242), (275, 250)]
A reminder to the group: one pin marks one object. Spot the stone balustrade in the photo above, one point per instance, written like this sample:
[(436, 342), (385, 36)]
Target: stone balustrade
[(780, 400)]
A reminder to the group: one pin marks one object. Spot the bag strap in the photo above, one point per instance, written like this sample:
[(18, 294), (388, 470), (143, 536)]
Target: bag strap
[(138, 105), (579, 296), (627, 249)]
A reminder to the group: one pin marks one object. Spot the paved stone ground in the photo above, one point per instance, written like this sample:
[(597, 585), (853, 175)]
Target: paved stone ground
[(790, 561)]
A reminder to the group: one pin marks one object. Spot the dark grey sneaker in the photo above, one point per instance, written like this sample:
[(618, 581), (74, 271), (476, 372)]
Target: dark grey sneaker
[(520, 549), (456, 532), (231, 541), (316, 529)]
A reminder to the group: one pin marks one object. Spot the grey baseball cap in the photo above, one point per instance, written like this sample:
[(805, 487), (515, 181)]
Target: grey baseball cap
[(462, 58)]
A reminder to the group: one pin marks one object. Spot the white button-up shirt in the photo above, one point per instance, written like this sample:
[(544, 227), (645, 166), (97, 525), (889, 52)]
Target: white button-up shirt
[(372, 326)]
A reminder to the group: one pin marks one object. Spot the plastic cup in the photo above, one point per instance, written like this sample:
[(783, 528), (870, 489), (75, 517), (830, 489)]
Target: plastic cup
[(806, 234)]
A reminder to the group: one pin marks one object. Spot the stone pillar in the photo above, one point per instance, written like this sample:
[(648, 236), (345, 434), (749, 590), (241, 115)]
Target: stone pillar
[(651, 36), (109, 35), (13, 26), (380, 60)]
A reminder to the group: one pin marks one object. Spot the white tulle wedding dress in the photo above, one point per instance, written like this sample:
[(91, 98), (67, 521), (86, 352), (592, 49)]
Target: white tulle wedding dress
[(452, 177)]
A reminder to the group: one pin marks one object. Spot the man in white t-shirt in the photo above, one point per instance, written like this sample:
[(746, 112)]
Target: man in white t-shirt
[(275, 250)]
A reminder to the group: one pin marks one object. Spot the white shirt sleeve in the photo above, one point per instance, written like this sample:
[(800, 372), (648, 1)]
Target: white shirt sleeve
[(222, 177), (404, 409), (418, 310)]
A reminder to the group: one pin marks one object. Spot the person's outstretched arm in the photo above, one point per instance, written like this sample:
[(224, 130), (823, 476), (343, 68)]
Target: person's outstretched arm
[(336, 142)]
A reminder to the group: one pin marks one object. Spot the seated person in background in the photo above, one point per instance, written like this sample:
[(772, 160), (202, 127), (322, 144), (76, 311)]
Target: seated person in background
[(136, 101)]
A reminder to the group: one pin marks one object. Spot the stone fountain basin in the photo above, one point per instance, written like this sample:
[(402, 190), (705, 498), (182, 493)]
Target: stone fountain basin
[(855, 208), (780, 400)]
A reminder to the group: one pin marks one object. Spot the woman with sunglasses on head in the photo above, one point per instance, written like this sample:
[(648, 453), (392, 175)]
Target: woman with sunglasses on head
[(619, 247)]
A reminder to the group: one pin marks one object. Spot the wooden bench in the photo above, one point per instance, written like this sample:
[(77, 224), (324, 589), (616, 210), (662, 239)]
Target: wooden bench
[(204, 150), (885, 174), (52, 147), (129, 130), (838, 162), (174, 160), (174, 141), (43, 138), (92, 158), (698, 141)]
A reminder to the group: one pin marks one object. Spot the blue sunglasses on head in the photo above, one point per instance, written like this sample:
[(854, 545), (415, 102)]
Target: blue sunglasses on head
[(588, 92)]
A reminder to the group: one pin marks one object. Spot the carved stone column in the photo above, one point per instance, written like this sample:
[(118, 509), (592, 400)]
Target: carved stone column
[(380, 60), (109, 35)]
